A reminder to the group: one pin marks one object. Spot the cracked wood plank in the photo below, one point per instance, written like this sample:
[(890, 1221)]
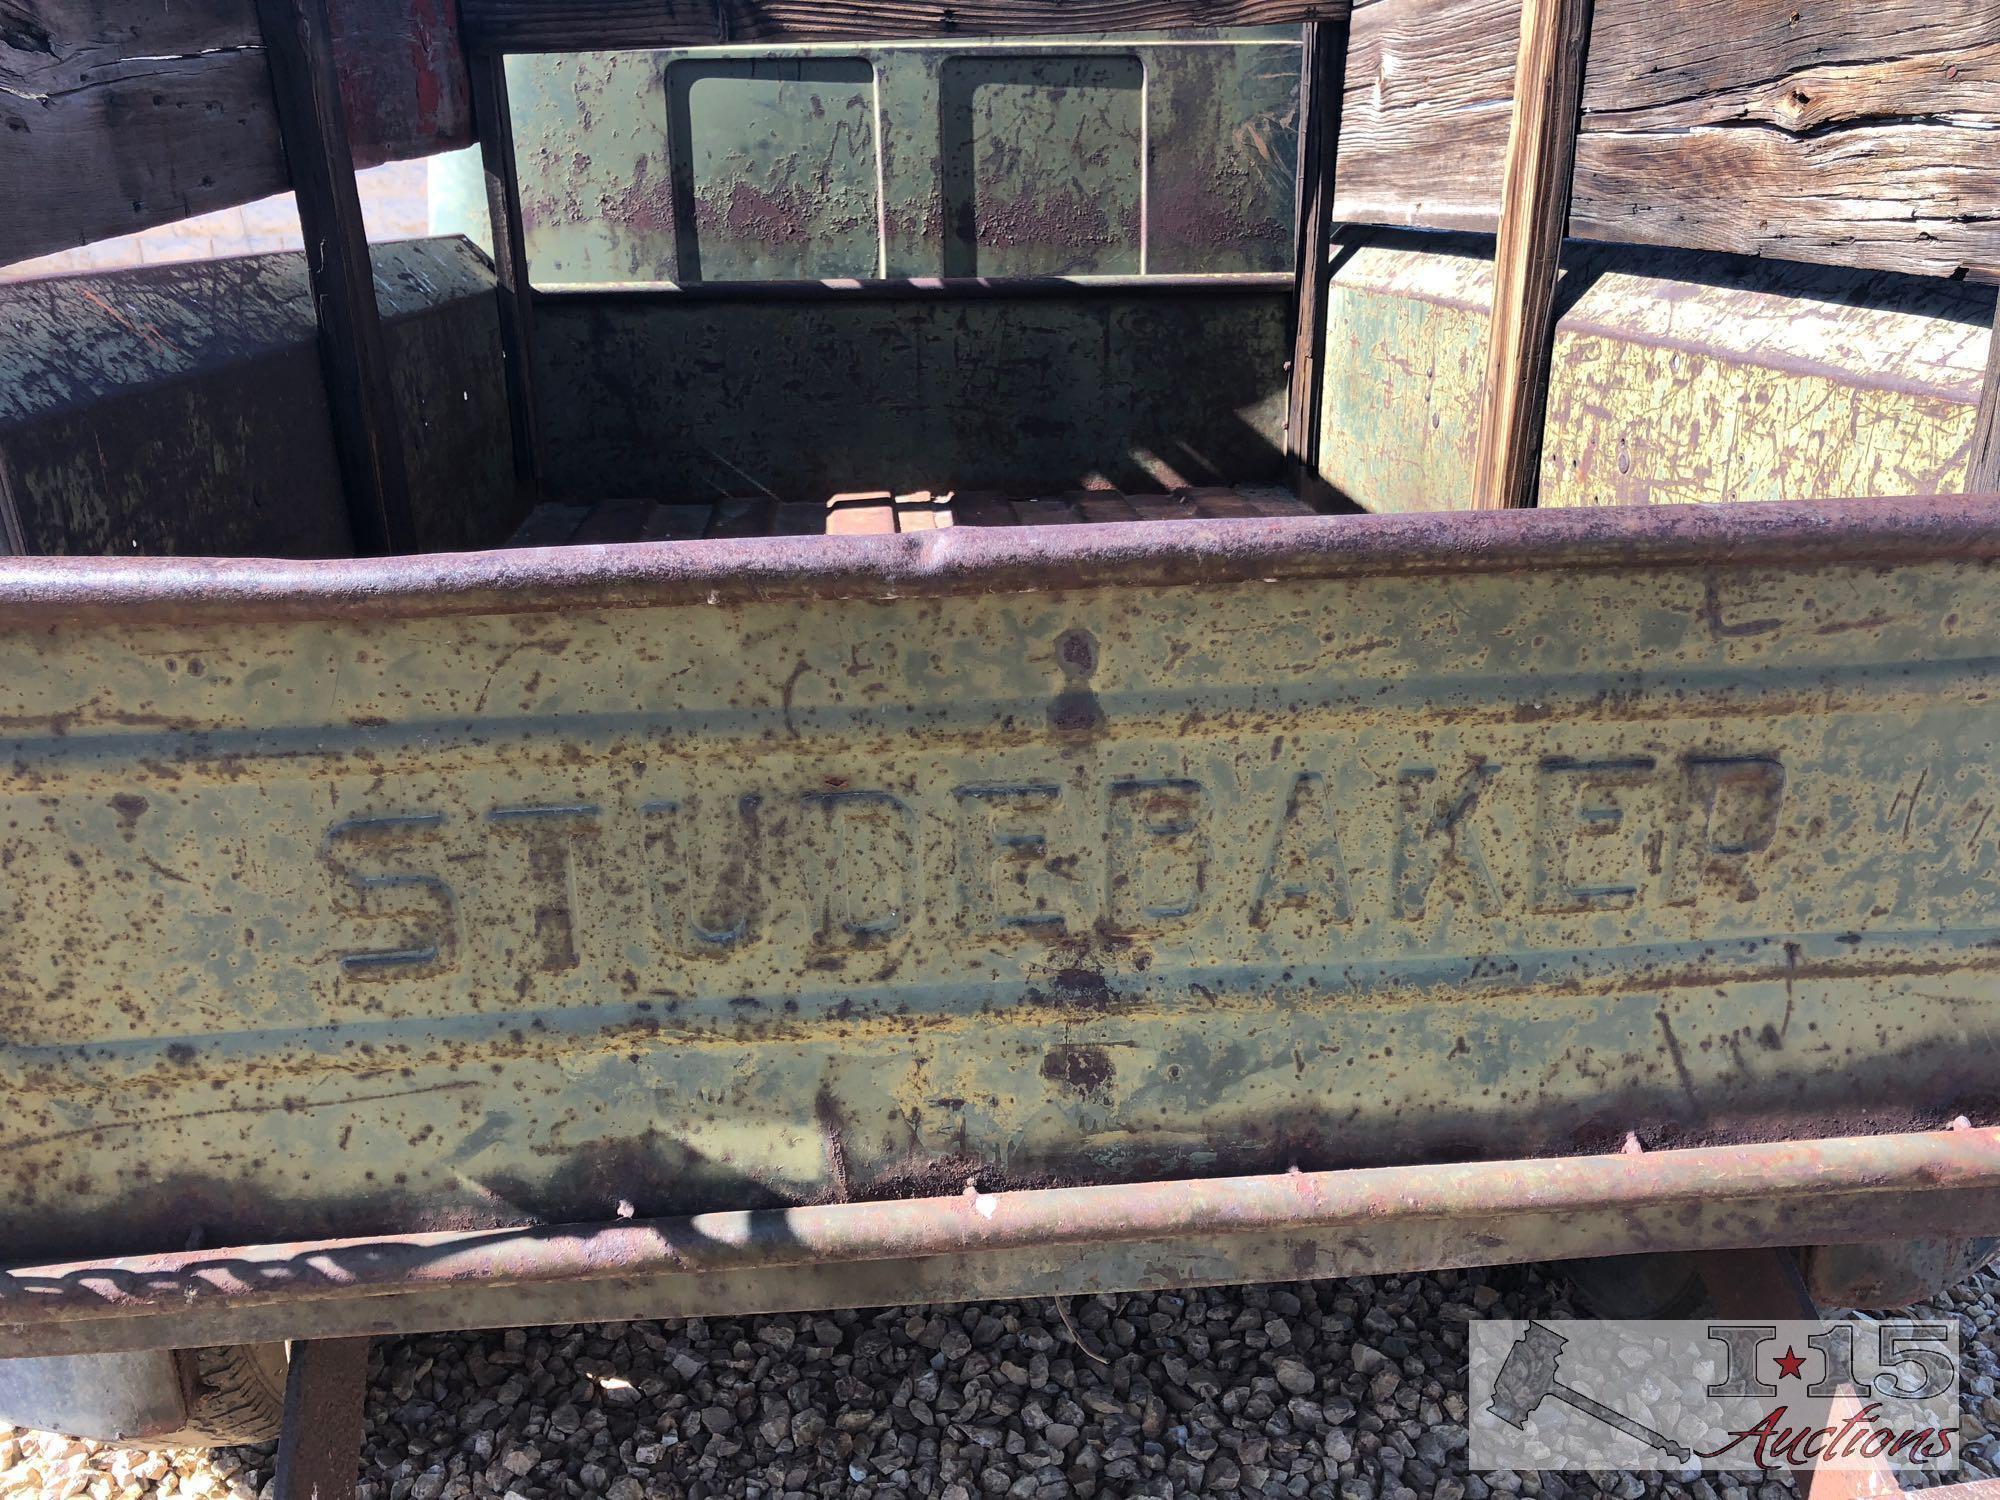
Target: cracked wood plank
[(1855, 132), (117, 117), (115, 121), (1421, 78)]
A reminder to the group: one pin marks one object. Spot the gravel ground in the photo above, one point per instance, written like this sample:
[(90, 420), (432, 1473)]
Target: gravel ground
[(1335, 1390)]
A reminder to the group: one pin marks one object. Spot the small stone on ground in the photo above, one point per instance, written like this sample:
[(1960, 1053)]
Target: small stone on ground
[(1333, 1390)]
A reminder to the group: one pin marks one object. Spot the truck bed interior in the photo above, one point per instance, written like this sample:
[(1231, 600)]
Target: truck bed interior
[(884, 513), (159, 409), (181, 409), (1068, 292)]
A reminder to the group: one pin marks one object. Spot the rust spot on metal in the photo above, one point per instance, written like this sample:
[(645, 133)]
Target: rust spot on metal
[(1076, 713), (129, 806), (1082, 1069), (833, 1137), (1076, 649), (1079, 989)]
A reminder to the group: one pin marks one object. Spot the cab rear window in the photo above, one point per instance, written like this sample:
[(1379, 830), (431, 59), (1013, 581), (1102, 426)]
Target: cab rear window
[(1152, 154)]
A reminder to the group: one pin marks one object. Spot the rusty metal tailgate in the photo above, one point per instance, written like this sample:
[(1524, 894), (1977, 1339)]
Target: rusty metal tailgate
[(366, 897)]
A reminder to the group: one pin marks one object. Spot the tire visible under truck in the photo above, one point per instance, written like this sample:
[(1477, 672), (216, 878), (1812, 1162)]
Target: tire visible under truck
[(1881, 1276), (217, 1397)]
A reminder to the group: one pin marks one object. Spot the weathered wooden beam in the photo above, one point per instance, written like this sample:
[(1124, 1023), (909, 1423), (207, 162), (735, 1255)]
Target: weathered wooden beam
[(116, 118), (1849, 132), (1428, 95), (1854, 131), (10, 513), (319, 1445), (1323, 68), (494, 122), (586, 25), (298, 45), (1982, 470), (1541, 151)]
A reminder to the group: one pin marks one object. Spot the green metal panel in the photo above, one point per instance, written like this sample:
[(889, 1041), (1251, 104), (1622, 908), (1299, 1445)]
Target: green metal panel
[(1405, 357), (563, 885), (1675, 377), (180, 409), (1222, 158), (686, 399), (1015, 207), (595, 168), (1162, 152)]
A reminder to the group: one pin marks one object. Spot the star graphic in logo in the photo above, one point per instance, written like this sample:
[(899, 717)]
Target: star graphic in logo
[(1790, 1365)]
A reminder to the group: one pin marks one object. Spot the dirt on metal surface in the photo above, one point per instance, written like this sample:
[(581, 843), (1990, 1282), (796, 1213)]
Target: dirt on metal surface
[(535, 887), (671, 395), (1677, 378), (180, 409)]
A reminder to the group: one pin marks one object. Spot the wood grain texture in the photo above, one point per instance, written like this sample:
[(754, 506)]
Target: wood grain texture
[(495, 126), (1982, 471), (1323, 66), (116, 117), (1842, 131), (1534, 211), (403, 77), (584, 25), (114, 122), (299, 47), (1423, 123)]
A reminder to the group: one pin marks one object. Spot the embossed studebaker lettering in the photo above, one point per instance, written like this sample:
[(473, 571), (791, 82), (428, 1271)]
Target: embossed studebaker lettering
[(712, 876)]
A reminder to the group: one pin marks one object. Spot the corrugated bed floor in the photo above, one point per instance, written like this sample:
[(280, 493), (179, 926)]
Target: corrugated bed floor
[(879, 513)]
